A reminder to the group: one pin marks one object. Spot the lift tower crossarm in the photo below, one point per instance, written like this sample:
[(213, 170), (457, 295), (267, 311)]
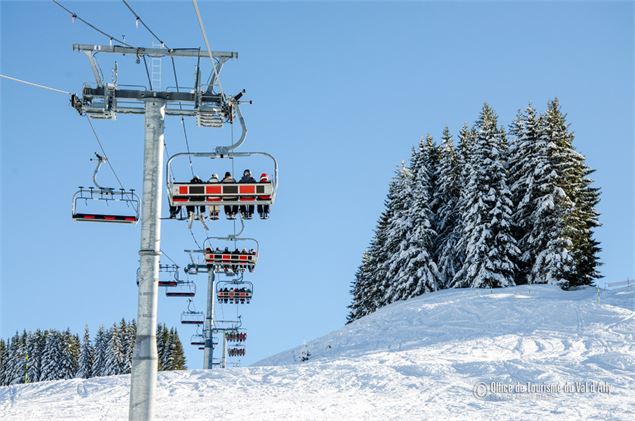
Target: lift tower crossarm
[(155, 52)]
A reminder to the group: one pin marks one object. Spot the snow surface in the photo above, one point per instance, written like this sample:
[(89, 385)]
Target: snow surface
[(418, 359)]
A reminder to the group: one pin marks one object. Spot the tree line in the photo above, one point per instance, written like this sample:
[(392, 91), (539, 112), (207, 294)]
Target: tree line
[(56, 355), (500, 208)]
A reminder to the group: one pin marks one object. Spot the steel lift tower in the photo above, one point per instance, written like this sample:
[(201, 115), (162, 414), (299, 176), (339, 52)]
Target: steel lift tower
[(211, 110)]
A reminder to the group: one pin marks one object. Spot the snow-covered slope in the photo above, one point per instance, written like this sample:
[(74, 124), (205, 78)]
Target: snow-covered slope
[(419, 359)]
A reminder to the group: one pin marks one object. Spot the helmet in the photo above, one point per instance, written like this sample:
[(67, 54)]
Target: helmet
[(228, 174), (215, 176), (247, 172), (264, 176)]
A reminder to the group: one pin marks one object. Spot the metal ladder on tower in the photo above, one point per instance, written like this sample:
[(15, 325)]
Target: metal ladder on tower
[(155, 67)]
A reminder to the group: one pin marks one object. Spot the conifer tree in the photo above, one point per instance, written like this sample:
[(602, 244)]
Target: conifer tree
[(114, 354), (447, 194), (3, 362), (359, 291), (580, 222), (490, 247), (85, 363), (178, 359), (100, 352), (53, 354), (417, 272), (399, 227), (453, 254), (124, 339)]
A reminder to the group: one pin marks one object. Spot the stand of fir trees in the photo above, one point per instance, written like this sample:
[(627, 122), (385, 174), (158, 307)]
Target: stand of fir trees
[(499, 208), (54, 355)]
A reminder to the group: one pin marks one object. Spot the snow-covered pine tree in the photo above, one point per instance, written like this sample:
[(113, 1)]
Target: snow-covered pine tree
[(100, 350), (574, 179), (359, 291), (4, 357), (454, 252), (16, 361), (490, 247), (114, 354), (417, 271), (587, 252), (162, 342), (67, 364), (36, 351), (132, 335), (447, 193), (85, 363), (178, 358), (165, 355), (124, 338), (53, 354), (400, 225), (372, 271)]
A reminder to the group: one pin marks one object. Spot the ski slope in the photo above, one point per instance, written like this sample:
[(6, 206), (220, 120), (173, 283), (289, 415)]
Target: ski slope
[(419, 359)]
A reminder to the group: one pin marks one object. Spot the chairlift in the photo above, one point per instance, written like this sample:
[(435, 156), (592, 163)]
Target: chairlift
[(235, 291), (197, 340), (236, 336), (192, 317), (182, 289), (99, 196), (174, 269), (231, 259), (236, 352), (234, 194)]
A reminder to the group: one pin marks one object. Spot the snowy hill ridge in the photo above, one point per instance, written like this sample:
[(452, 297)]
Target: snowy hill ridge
[(419, 359)]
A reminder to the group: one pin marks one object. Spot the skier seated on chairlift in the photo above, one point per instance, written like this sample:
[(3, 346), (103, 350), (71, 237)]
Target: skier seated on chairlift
[(192, 210), (214, 210), (230, 211), (263, 210), (247, 211), (226, 266)]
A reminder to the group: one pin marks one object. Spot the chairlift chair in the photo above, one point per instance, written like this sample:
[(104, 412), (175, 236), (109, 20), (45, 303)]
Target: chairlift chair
[(169, 269), (218, 193), (104, 196), (234, 291), (182, 289), (192, 317), (228, 261), (197, 340)]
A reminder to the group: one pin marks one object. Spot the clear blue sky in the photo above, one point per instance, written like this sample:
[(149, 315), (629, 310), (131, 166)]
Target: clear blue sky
[(342, 91)]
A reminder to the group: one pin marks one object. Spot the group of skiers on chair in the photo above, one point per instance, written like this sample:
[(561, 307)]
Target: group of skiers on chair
[(234, 295), (231, 211), (236, 352), (236, 336), (230, 266)]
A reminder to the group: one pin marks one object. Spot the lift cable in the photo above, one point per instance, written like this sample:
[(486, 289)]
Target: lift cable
[(37, 85), (169, 258), (209, 50), (194, 238), (176, 80), (110, 37)]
